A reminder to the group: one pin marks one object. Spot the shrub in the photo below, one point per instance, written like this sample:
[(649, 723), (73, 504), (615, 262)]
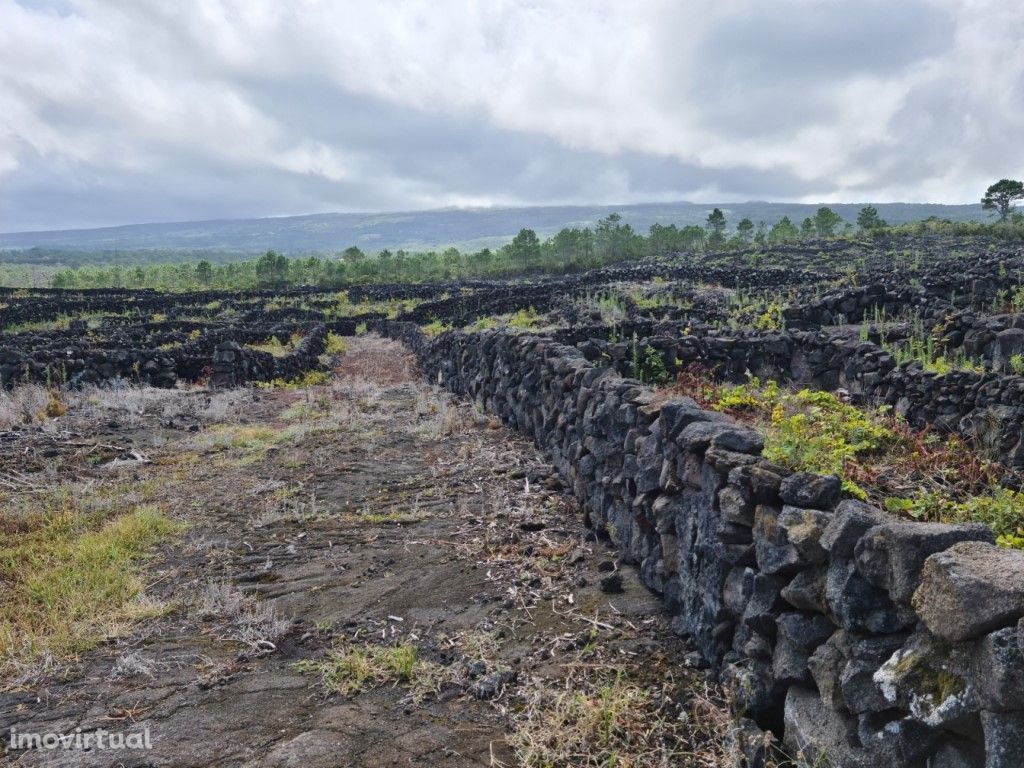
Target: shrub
[(647, 364), (525, 318), (336, 345), (435, 328), (1002, 510), (307, 379), (810, 431), (350, 669)]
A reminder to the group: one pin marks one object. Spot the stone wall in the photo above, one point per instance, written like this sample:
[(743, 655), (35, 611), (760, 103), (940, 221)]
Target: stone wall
[(869, 640), (234, 365), (988, 407), (162, 354), (76, 365), (976, 283)]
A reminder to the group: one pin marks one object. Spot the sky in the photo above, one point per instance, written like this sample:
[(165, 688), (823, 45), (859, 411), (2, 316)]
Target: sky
[(130, 111)]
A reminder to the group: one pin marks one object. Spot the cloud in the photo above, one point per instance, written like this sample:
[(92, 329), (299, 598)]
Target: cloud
[(146, 110)]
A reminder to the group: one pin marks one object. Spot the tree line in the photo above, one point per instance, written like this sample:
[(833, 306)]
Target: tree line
[(571, 249)]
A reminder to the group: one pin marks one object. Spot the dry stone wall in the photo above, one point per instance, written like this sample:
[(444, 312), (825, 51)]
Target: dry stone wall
[(866, 639), (163, 357), (988, 407)]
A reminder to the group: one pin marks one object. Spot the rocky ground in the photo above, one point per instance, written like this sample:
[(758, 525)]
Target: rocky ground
[(326, 528)]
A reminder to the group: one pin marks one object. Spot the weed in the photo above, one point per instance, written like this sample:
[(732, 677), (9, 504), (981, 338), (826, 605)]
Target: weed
[(923, 347), (274, 346), (72, 574), (336, 345), (1002, 510), (808, 430), (525, 318), (771, 318), (647, 364), (307, 379), (599, 719), (351, 669), (435, 328), (249, 621)]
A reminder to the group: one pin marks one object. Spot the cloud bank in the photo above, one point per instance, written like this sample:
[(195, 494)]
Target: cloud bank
[(142, 110)]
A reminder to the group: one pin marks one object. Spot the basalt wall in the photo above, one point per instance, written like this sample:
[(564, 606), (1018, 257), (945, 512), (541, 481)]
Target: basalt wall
[(162, 358), (988, 407), (866, 639)]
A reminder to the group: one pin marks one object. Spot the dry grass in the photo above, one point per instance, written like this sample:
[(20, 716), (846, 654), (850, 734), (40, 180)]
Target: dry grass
[(29, 404), (603, 713), (241, 617), (597, 719), (132, 404), (132, 665), (23, 405), (377, 360)]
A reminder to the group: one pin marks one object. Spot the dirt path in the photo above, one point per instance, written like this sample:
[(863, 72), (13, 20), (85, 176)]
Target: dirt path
[(332, 524)]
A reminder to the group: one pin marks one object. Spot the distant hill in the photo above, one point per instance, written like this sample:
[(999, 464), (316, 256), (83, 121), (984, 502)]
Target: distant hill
[(421, 230)]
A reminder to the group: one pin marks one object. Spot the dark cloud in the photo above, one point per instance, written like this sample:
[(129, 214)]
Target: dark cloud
[(395, 149), (145, 111), (781, 66)]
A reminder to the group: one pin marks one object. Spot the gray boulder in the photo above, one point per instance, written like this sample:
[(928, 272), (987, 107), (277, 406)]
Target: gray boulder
[(851, 520), (817, 735), (803, 529), (807, 591), (970, 590), (799, 634), (892, 555), (997, 671), (1007, 343), (860, 606), (739, 440), (1004, 739), (806, 490)]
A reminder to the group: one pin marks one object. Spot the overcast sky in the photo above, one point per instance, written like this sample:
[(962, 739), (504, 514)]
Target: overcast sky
[(155, 110)]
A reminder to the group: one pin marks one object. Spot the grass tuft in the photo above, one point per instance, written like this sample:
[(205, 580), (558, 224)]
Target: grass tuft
[(72, 578), (351, 669)]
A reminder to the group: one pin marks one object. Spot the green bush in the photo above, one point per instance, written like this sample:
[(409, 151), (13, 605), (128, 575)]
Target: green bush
[(647, 365), (810, 431)]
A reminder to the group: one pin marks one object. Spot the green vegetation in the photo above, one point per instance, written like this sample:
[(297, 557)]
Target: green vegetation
[(1002, 510), (646, 364), (336, 345), (435, 328), (869, 220), (391, 308), (923, 346), (306, 379), (808, 430), (716, 228), (825, 222), (1001, 196), (69, 563), (352, 669), (571, 249), (274, 346), (925, 351), (918, 475), (524, 320)]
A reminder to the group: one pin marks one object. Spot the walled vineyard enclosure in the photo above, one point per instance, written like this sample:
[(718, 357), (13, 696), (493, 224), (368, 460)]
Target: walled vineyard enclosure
[(859, 636)]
